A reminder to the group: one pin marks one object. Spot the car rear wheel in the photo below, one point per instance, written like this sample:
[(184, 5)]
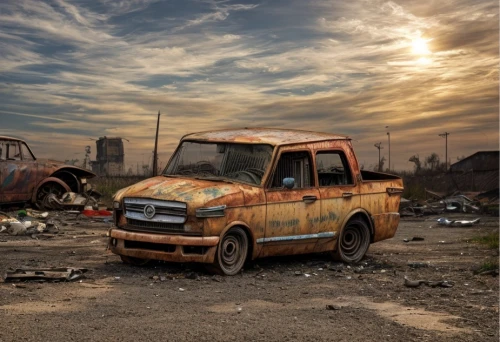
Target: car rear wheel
[(134, 261), (232, 251), (353, 242)]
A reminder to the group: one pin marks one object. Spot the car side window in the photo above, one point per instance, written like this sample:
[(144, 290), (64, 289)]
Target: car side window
[(13, 152), (27, 156), (333, 169), (3, 150), (296, 165)]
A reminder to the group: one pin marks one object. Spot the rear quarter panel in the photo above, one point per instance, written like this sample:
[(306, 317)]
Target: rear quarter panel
[(382, 206)]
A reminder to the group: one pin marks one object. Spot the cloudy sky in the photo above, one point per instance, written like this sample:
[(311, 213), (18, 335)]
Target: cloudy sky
[(71, 71)]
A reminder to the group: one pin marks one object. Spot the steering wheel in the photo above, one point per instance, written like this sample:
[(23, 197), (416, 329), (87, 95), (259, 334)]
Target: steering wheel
[(249, 174)]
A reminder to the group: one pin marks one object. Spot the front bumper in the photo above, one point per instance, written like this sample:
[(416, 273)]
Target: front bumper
[(173, 248)]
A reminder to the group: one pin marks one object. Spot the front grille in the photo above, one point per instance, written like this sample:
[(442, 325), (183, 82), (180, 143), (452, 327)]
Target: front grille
[(163, 211)]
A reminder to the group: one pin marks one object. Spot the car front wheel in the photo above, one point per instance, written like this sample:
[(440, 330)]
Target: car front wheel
[(232, 251)]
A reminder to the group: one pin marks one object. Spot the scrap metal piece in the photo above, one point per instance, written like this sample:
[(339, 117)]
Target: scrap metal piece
[(44, 274), (457, 223)]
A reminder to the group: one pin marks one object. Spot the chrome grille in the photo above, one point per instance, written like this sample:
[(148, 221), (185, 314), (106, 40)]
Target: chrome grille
[(169, 216), (165, 211)]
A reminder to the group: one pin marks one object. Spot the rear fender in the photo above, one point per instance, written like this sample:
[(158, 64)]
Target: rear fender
[(366, 216)]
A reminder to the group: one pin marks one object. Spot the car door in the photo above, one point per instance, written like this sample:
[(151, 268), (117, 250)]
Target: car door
[(339, 194), (18, 175), (292, 214)]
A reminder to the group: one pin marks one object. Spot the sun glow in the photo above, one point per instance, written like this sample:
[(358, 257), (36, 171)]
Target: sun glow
[(419, 46)]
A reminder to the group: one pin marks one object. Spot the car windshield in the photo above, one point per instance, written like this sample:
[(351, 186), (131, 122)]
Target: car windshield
[(225, 161)]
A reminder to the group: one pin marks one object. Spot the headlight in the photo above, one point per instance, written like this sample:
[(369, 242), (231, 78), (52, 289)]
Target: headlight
[(116, 205), (217, 211)]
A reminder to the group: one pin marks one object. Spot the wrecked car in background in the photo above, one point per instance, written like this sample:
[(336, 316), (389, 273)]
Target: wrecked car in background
[(229, 196), (41, 182)]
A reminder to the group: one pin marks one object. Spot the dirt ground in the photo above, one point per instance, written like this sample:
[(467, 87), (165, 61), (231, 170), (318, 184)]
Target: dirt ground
[(274, 299)]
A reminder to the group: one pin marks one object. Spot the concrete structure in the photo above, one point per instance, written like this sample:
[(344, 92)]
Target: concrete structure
[(110, 158)]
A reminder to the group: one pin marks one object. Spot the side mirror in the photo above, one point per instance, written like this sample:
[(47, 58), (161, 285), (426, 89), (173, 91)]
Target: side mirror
[(289, 183)]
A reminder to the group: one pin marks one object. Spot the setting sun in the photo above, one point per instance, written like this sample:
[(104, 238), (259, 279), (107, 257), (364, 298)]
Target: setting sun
[(419, 46)]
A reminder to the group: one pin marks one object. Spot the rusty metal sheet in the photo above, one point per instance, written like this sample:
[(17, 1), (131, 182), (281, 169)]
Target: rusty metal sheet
[(44, 274)]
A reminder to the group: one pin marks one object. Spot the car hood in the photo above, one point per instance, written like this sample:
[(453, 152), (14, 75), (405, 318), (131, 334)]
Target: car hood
[(196, 192)]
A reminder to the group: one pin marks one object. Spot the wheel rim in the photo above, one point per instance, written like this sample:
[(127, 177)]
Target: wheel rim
[(233, 251), (47, 189), (354, 243)]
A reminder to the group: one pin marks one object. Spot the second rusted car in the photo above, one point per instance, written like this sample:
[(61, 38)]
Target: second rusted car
[(27, 179), (232, 195)]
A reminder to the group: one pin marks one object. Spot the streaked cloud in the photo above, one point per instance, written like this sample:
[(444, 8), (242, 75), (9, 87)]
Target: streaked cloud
[(72, 71)]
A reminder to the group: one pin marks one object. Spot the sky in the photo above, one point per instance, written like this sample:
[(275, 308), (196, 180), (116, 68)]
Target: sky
[(74, 71)]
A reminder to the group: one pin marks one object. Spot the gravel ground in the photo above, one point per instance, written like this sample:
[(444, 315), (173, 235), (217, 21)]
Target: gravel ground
[(299, 298)]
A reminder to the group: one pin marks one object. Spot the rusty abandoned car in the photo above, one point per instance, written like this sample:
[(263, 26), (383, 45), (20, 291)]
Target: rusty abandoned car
[(26, 179), (229, 196)]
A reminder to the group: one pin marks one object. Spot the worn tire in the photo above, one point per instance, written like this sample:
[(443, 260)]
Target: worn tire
[(353, 241), (134, 261), (232, 252), (45, 190)]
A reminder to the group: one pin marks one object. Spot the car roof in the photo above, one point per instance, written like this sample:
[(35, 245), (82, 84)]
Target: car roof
[(272, 136), (3, 137)]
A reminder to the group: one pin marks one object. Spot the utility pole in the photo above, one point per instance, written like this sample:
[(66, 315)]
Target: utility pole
[(389, 138), (445, 136), (379, 147), (155, 153)]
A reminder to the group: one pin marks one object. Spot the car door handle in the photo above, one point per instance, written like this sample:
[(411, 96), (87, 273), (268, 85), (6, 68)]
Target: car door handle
[(309, 199), (347, 194)]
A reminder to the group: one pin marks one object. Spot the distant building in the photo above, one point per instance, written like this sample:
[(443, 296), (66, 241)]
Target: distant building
[(477, 172), (110, 158), (479, 161)]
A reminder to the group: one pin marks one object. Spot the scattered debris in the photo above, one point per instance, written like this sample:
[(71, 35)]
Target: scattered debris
[(417, 264), (333, 307), (417, 283), (192, 275), (415, 238), (438, 203), (457, 223), (44, 274), (73, 201)]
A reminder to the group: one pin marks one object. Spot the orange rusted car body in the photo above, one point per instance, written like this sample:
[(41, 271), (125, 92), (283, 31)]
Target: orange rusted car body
[(22, 176), (277, 220)]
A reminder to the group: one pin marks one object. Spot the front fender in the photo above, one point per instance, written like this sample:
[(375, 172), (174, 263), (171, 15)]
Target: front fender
[(254, 247), (77, 171)]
